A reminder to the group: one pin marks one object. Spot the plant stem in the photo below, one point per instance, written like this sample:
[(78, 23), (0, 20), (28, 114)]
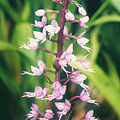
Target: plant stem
[(60, 38), (47, 51), (46, 69), (47, 78), (73, 98)]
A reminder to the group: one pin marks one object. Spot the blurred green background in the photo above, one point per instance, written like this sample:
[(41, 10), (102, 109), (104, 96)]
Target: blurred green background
[(16, 17)]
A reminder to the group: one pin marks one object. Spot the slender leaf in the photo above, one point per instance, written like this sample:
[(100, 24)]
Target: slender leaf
[(6, 46), (116, 4), (106, 19), (7, 7), (3, 29)]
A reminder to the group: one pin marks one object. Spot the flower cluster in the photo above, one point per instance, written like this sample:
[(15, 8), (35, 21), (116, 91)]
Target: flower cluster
[(63, 59)]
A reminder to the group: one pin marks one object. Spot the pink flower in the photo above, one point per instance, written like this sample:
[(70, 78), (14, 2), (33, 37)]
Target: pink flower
[(82, 11), (39, 93), (40, 12), (82, 41), (31, 45), (49, 114), (58, 91), (34, 112), (65, 32), (67, 58), (53, 28), (89, 116), (83, 21), (40, 36), (85, 97), (36, 71), (42, 23), (56, 85), (63, 107), (69, 16), (78, 78)]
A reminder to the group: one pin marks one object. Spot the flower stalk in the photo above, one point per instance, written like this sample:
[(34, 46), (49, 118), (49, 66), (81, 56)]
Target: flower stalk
[(60, 38)]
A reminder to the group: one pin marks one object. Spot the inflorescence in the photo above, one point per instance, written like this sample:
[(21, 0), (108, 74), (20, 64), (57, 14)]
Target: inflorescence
[(62, 60)]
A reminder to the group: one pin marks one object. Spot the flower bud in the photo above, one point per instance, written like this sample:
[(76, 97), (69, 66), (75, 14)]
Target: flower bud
[(40, 12), (82, 11), (69, 16)]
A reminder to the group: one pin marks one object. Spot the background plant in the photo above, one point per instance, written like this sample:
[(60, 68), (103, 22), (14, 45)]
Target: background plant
[(15, 20)]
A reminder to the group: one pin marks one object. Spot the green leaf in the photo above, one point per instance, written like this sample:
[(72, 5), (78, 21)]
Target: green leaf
[(26, 11), (20, 36), (7, 7), (9, 81), (3, 29), (95, 46), (6, 46), (105, 19), (116, 4), (112, 70), (100, 10), (21, 33)]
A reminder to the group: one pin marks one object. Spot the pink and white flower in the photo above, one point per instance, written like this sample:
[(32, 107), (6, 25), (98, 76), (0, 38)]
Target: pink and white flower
[(78, 78), (52, 29), (58, 91), (36, 71), (49, 114), (85, 97), (89, 116), (42, 23), (39, 93), (63, 107), (69, 16), (83, 21), (85, 64), (82, 41), (67, 58), (40, 12), (34, 112), (40, 36), (31, 45), (82, 11)]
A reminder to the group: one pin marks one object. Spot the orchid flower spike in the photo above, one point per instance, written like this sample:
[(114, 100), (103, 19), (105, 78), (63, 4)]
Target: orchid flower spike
[(36, 71)]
